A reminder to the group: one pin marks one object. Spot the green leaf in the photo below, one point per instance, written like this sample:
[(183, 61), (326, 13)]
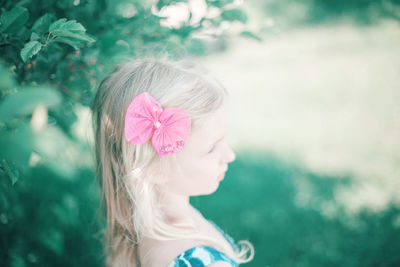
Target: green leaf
[(251, 35), (64, 25), (43, 23), (30, 49), (11, 171), (26, 100), (57, 24), (73, 35), (13, 20), (234, 14), (69, 32), (72, 42), (34, 36)]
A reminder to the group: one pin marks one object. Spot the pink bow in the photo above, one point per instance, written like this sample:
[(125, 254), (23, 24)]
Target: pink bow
[(145, 119)]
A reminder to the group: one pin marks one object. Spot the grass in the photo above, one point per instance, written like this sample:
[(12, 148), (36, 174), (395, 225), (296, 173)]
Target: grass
[(260, 200)]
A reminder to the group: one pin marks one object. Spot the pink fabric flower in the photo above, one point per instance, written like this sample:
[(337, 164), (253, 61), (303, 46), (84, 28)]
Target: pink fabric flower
[(145, 119)]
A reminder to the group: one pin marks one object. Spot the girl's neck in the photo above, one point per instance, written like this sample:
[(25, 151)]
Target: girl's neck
[(176, 206)]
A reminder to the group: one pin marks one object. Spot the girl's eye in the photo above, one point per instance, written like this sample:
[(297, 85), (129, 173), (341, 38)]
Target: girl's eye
[(216, 144)]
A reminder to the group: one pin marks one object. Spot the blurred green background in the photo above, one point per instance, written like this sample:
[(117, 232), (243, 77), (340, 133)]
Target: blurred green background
[(315, 121)]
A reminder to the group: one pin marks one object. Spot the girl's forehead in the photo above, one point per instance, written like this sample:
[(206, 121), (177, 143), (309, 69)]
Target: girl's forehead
[(209, 130), (212, 125)]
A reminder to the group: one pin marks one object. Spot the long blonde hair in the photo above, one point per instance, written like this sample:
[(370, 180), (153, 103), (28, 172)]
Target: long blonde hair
[(126, 171)]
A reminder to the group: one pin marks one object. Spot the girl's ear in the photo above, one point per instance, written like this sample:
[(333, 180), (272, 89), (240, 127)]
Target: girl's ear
[(163, 169)]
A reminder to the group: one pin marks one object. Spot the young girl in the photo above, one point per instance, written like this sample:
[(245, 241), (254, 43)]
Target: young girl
[(159, 133)]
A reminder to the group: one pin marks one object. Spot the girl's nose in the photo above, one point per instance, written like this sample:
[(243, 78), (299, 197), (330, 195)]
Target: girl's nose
[(229, 154), (232, 155)]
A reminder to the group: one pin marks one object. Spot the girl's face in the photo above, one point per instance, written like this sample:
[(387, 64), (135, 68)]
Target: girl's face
[(203, 159)]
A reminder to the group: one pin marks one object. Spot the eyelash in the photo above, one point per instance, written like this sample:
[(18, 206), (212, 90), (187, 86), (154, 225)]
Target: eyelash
[(212, 149)]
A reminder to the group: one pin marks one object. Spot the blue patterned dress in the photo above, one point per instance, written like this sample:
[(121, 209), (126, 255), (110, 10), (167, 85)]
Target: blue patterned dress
[(202, 255)]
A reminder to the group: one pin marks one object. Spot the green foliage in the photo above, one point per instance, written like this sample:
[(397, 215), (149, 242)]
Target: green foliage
[(69, 32), (163, 3), (63, 31), (311, 12), (234, 14), (53, 56), (6, 80), (14, 19), (9, 171), (219, 3), (26, 100)]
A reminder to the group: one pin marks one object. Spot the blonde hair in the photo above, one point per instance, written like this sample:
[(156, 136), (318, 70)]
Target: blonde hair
[(126, 171)]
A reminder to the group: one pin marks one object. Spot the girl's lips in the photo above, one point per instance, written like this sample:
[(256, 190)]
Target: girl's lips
[(221, 177)]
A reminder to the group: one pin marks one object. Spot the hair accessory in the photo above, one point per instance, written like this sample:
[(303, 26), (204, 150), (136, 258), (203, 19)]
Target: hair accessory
[(168, 128)]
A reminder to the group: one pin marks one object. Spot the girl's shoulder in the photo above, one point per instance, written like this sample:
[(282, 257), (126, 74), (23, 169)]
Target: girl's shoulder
[(184, 252), (156, 253), (188, 252), (200, 256)]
